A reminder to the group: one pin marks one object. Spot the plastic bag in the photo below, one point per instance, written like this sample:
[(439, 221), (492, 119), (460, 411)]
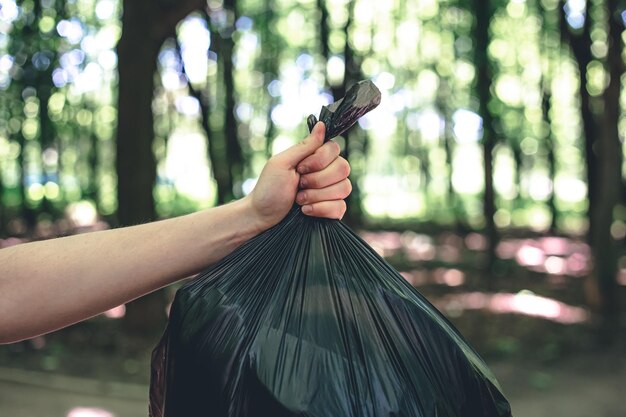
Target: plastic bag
[(307, 320)]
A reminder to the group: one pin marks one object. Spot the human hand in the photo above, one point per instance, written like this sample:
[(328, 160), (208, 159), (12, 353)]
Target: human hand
[(314, 166)]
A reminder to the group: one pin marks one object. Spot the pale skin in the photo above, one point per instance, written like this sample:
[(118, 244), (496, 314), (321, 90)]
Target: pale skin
[(47, 285)]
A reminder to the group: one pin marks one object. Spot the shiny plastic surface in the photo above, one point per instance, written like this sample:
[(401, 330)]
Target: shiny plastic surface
[(307, 320), (343, 113)]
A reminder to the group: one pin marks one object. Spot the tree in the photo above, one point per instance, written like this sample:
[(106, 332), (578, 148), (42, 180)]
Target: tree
[(26, 45), (352, 74), (271, 47), (551, 50), (484, 14), (145, 26), (609, 172), (603, 153), (234, 155), (216, 140)]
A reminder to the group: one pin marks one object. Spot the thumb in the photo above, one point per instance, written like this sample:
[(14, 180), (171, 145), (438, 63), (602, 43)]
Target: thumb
[(292, 156)]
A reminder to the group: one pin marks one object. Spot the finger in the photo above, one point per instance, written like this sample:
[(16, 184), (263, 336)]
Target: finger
[(334, 209), (337, 171), (291, 157), (336, 191), (320, 159)]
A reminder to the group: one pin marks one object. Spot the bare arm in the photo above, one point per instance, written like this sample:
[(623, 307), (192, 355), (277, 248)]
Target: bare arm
[(50, 284)]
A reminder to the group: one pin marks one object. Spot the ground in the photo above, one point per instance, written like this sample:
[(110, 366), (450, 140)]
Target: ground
[(536, 332), (589, 384)]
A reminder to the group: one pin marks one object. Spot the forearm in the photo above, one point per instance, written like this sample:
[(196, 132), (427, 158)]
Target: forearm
[(51, 284)]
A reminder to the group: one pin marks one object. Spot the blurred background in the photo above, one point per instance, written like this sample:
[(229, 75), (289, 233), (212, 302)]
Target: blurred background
[(491, 175)]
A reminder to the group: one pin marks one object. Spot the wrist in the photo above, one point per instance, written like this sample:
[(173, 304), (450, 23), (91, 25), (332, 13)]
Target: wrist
[(252, 218)]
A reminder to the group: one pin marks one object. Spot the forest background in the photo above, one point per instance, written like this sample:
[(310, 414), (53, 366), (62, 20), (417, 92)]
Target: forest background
[(491, 175)]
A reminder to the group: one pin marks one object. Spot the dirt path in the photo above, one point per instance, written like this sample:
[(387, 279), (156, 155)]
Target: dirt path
[(37, 394), (581, 386)]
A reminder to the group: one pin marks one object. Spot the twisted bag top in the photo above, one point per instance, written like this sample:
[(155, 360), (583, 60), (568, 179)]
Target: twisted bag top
[(307, 320)]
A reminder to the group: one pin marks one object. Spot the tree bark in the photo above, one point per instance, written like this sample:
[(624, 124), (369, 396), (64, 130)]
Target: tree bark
[(602, 144), (234, 155), (135, 163), (454, 203), (609, 177), (580, 44), (145, 26), (270, 58), (549, 143), (216, 148), (28, 78), (484, 13), (217, 139), (352, 74), (517, 176), (551, 51)]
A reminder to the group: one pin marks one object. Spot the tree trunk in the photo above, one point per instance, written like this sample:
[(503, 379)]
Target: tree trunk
[(484, 13), (47, 134), (609, 176), (454, 203), (270, 56), (352, 75), (135, 164), (217, 140), (145, 26), (551, 51), (29, 78), (92, 160), (602, 143), (234, 156), (519, 163), (580, 44), (549, 141), (216, 148)]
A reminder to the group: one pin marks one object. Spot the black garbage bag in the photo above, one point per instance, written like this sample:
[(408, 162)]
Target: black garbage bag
[(307, 320)]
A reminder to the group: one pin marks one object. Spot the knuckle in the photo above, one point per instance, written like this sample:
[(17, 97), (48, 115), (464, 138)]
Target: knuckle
[(313, 162), (316, 164), (312, 181)]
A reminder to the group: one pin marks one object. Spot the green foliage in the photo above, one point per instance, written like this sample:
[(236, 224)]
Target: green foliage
[(422, 158)]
